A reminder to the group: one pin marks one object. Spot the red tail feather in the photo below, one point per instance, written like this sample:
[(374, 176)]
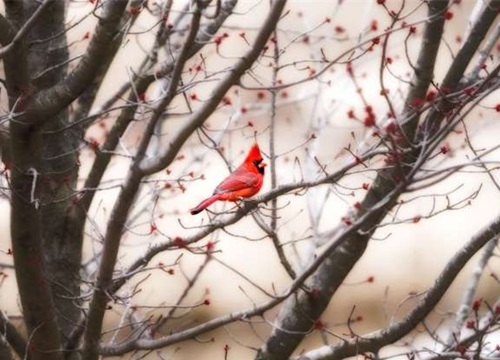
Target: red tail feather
[(204, 204)]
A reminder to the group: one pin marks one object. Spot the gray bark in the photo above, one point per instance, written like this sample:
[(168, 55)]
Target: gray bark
[(58, 167)]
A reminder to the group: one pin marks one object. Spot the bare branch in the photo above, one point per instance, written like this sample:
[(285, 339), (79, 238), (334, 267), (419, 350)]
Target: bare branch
[(377, 340), (48, 102), (21, 33), (7, 32), (9, 332), (469, 293)]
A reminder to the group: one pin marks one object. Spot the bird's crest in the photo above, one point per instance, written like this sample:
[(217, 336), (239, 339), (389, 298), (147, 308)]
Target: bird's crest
[(254, 154)]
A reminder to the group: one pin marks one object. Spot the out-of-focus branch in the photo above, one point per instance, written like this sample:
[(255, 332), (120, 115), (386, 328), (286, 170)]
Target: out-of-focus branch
[(86, 99), (15, 340), (468, 296), (191, 333), (431, 132), (483, 55), (272, 229), (372, 343), (459, 65), (21, 33), (46, 103), (171, 92), (470, 45), (17, 82), (424, 72), (7, 32)]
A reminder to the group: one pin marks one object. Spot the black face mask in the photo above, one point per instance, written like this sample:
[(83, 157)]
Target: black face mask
[(260, 169)]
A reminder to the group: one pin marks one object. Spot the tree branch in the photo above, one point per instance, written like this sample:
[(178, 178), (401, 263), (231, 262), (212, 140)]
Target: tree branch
[(468, 295), (15, 340), (7, 32), (18, 82), (456, 71), (26, 228), (6, 38), (46, 103), (377, 340), (87, 98)]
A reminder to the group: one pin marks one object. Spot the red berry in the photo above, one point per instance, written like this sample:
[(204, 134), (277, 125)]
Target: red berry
[(319, 325), (339, 29), (346, 220), (178, 241), (431, 95), (369, 120), (417, 103), (476, 304)]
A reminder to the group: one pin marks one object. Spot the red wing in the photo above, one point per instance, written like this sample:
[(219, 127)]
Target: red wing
[(236, 183)]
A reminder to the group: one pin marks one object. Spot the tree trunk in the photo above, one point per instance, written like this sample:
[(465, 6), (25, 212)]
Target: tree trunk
[(58, 167), (44, 177)]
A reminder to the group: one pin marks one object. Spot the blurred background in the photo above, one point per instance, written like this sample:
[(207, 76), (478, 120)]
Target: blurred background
[(315, 131)]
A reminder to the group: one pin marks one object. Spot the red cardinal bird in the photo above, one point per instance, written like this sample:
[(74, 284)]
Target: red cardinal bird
[(244, 182)]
